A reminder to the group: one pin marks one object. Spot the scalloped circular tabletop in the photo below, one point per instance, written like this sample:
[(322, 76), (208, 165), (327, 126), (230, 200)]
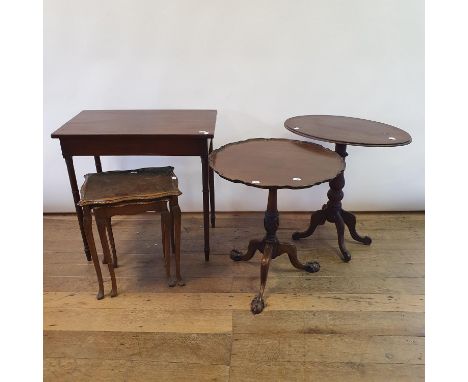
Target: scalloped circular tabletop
[(347, 130), (276, 163)]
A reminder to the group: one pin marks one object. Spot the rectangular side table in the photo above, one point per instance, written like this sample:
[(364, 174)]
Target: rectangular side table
[(141, 132)]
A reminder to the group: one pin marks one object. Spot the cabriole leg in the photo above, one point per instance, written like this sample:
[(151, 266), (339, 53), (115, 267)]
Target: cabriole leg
[(88, 228)]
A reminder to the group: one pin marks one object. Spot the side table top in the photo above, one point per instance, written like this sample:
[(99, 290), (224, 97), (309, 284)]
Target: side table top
[(347, 130), (276, 163), (140, 122)]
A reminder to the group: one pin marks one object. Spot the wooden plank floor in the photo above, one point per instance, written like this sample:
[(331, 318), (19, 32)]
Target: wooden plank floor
[(360, 321)]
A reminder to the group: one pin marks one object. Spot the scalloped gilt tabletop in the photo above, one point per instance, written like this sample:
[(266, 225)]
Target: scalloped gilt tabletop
[(347, 130), (276, 163)]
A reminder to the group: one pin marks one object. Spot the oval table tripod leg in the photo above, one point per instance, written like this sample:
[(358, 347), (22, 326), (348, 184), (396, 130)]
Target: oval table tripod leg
[(339, 223), (317, 218), (350, 221)]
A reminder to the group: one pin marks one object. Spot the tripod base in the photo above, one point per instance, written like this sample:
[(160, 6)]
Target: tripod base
[(340, 218), (270, 250)]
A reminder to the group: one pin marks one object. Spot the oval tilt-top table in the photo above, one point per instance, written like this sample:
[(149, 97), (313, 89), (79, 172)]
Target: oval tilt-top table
[(342, 131), (274, 164)]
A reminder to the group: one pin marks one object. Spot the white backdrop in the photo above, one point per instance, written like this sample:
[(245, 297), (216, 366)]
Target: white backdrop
[(256, 62)]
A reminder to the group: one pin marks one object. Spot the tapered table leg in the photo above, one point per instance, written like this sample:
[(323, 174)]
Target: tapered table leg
[(212, 191), (76, 199), (206, 207)]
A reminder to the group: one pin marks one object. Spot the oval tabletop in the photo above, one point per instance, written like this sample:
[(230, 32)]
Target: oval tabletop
[(276, 163), (347, 130)]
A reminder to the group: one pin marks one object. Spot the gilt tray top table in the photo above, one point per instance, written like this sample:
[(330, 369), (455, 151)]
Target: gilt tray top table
[(342, 131), (274, 164), (141, 132)]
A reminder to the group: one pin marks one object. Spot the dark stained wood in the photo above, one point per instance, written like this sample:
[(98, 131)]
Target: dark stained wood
[(212, 192), (276, 163), (140, 132), (76, 199), (342, 131), (200, 123), (347, 130), (133, 145)]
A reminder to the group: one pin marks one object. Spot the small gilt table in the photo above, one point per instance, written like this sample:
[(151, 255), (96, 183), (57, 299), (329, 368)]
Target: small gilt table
[(342, 131), (274, 164)]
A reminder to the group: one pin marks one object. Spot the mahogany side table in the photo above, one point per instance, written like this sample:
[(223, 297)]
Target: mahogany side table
[(274, 164), (141, 132), (342, 131)]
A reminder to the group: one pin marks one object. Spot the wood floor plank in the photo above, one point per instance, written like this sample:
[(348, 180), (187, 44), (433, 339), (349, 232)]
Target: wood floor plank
[(330, 322), (335, 285), (210, 349), (77, 370), (240, 301), (134, 320), (240, 284), (140, 284), (326, 372), (356, 321), (221, 266), (267, 348), (362, 372)]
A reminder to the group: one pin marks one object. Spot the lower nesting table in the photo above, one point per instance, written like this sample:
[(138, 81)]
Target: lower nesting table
[(274, 164)]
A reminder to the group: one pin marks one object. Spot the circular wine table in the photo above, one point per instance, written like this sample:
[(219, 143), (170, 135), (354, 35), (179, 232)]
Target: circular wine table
[(342, 131), (274, 164)]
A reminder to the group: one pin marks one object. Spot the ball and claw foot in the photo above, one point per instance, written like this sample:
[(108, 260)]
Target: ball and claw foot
[(171, 282), (113, 293), (236, 255), (312, 267), (100, 295), (180, 282), (257, 305)]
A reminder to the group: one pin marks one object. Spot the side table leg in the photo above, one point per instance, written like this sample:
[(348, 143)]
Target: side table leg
[(212, 190), (206, 207), (291, 251), (76, 199), (112, 241), (257, 304), (97, 162), (350, 221), (254, 245), (88, 228), (101, 225)]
